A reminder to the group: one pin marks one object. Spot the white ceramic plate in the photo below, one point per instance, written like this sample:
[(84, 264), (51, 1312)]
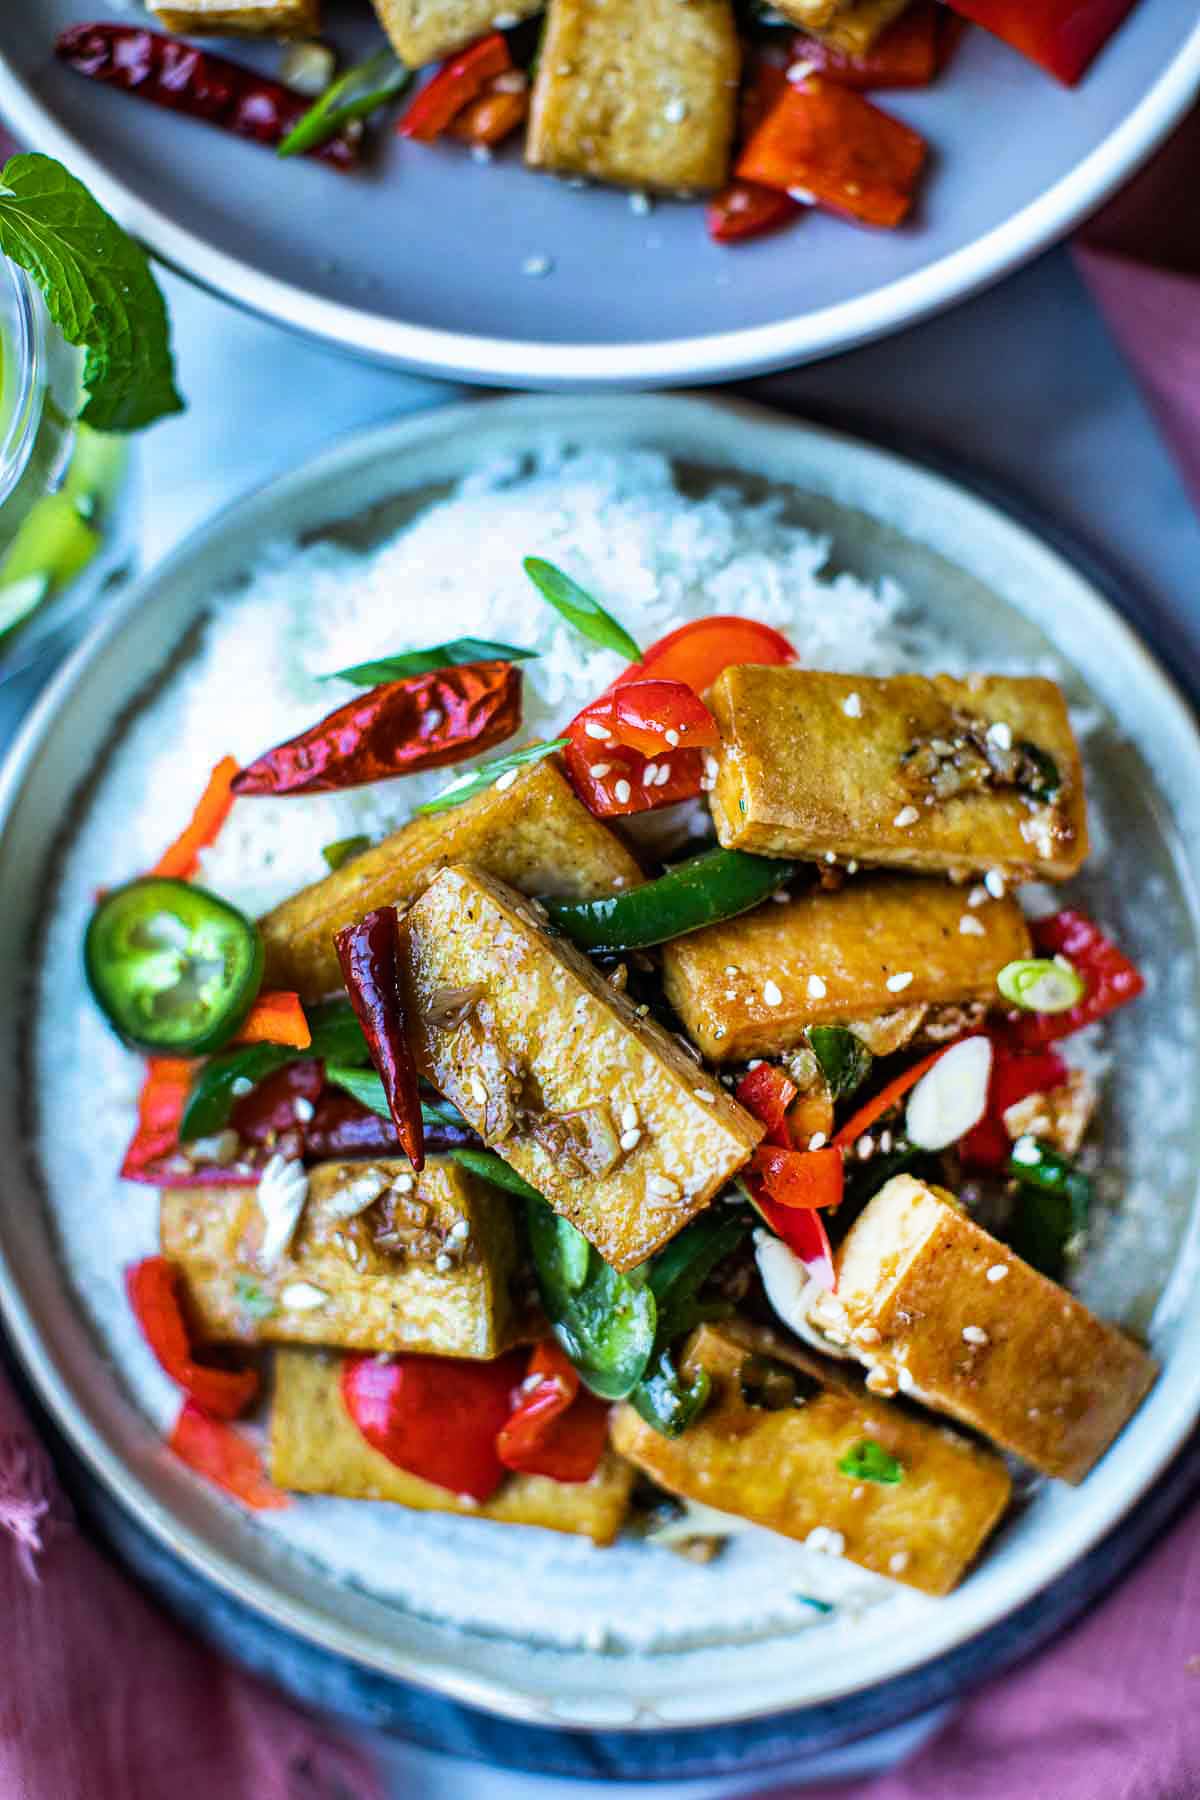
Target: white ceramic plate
[(1002, 594), (419, 261)]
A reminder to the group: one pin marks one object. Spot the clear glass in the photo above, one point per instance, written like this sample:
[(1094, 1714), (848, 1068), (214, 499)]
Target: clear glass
[(65, 513)]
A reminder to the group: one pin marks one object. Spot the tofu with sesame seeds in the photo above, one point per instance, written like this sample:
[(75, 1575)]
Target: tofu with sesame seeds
[(638, 92), (600, 1110), (780, 1466), (242, 18), (827, 957), (423, 31), (851, 29), (533, 834), (381, 1260), (905, 771), (1012, 1355), (315, 1448)]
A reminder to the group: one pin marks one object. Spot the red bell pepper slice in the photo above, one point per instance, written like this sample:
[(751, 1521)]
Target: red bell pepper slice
[(214, 1449), (367, 952), (154, 1152), (804, 1233), (154, 1289), (697, 653), (493, 117), (767, 1093), (800, 1178), (453, 88), (1062, 35), (906, 55), (745, 209), (1110, 979), (613, 781), (181, 860), (435, 1416), (883, 1102), (276, 1018), (557, 1428), (1014, 1077), (658, 716), (827, 141)]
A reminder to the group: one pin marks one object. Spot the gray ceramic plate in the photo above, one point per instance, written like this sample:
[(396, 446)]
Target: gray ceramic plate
[(1002, 594), (420, 262)]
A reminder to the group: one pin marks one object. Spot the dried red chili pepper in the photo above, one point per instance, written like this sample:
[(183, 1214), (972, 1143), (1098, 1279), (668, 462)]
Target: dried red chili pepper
[(170, 73), (744, 209), (367, 953), (401, 728), (154, 1290), (767, 1092)]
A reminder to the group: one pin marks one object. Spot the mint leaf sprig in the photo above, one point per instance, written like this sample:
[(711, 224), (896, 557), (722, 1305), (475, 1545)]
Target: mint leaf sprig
[(99, 291)]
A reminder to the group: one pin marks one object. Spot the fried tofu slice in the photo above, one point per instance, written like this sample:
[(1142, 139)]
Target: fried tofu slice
[(315, 1448), (423, 31), (241, 18), (850, 29), (752, 986), (908, 772), (638, 92), (535, 835), (780, 1468), (932, 1302), (381, 1260), (602, 1111)]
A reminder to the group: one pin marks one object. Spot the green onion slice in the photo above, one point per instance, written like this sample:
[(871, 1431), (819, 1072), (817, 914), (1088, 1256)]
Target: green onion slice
[(1041, 984), (423, 662), (579, 609), (490, 774), (869, 1461), (352, 96)]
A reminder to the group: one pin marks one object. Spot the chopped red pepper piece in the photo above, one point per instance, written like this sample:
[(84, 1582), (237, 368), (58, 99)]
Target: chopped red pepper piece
[(493, 117), (827, 141), (884, 1100), (276, 1017), (556, 1428), (1110, 979), (214, 1449), (436, 1416), (745, 209), (154, 1288), (905, 55), (184, 79), (453, 88), (367, 953), (767, 1093), (804, 1233), (658, 716), (697, 653), (1014, 1077), (268, 1113), (154, 1154), (423, 722), (1062, 35), (800, 1178), (182, 859)]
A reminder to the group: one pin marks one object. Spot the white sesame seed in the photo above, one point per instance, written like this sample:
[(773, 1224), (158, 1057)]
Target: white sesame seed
[(705, 1094), (221, 1148), (675, 111), (482, 153), (404, 1184), (506, 21), (1025, 1150), (599, 770), (865, 1146), (663, 1187), (731, 968), (852, 866), (622, 793), (816, 988), (817, 1141), (898, 1562), (896, 984), (885, 1142), (303, 1108), (478, 1092), (830, 857), (978, 896), (443, 1263), (664, 774), (506, 780), (974, 1334), (1000, 734), (865, 1334), (241, 1086), (781, 896), (302, 1296), (823, 1539), (536, 265), (629, 1116), (459, 1231), (629, 1140), (904, 1380), (997, 1272), (672, 737), (993, 881), (594, 728), (649, 774), (771, 994), (970, 926), (731, 993), (852, 706), (908, 815)]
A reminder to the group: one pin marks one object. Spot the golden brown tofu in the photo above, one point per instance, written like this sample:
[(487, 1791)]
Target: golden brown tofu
[(638, 92), (811, 15), (241, 18), (752, 986), (602, 1111), (381, 1260), (850, 29), (905, 772), (535, 835), (936, 1304), (315, 1448), (423, 31), (779, 1468)]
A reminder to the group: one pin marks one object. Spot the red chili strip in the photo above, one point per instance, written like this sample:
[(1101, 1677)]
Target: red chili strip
[(155, 1291), (401, 728), (1110, 979), (215, 1450), (745, 209), (827, 141), (181, 860), (176, 75), (456, 84), (437, 1417), (800, 1178), (884, 1100), (767, 1093), (155, 1155), (804, 1233), (1014, 1077), (367, 953), (556, 1428)]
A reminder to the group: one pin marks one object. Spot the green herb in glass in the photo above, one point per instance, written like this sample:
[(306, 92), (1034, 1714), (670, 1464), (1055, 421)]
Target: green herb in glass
[(579, 609)]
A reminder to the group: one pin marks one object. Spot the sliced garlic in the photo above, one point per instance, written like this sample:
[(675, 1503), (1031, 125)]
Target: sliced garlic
[(951, 1097), (791, 1290), (282, 1191)]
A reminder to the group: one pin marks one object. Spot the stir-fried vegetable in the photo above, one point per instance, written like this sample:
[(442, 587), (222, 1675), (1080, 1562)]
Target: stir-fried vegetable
[(276, 1018), (908, 54), (503, 769), (869, 1461), (436, 1416), (767, 1092), (154, 1289), (843, 1059), (1015, 1076), (1109, 978), (336, 1037), (355, 95), (828, 142), (604, 1321), (799, 1178), (717, 884), (1041, 985), (342, 850), (424, 662), (367, 952), (1054, 1204), (401, 728), (490, 1167), (215, 1450), (367, 1088), (459, 82), (173, 967), (579, 609), (556, 1429), (676, 1276), (1062, 35), (181, 860)]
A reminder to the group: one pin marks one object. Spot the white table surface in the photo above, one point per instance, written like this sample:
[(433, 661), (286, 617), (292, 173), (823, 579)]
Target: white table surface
[(1021, 385)]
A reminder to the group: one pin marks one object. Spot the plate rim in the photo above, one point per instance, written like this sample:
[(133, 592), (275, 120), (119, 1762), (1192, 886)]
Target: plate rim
[(720, 356), (648, 416)]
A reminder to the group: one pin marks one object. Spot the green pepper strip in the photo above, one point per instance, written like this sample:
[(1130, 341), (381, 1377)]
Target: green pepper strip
[(1054, 1203), (605, 1322), (336, 1038), (843, 1059), (716, 885), (676, 1276), (382, 77)]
